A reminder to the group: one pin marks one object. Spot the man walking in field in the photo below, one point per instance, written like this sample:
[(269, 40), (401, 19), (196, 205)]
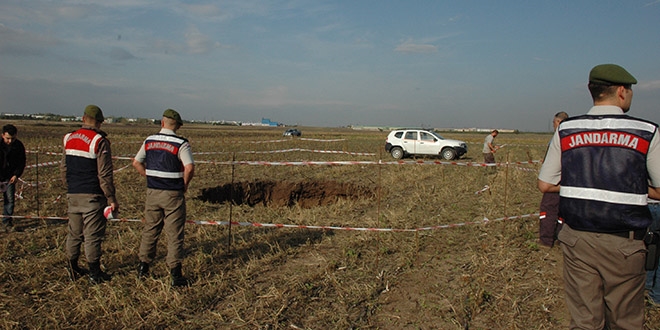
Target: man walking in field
[(605, 161), (489, 147), (87, 173), (167, 162)]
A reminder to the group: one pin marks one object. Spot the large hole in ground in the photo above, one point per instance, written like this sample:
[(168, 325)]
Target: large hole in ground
[(305, 194)]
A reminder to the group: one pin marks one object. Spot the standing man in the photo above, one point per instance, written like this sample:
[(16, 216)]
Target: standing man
[(549, 208), (13, 164), (606, 161), (166, 160), (87, 173), (490, 148)]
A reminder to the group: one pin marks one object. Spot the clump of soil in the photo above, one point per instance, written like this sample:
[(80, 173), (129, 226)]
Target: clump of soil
[(306, 194)]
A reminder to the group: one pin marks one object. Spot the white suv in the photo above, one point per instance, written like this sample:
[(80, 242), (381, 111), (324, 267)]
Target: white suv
[(410, 141)]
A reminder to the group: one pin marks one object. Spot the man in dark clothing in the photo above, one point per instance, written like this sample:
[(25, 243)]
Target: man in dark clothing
[(13, 164), (549, 220)]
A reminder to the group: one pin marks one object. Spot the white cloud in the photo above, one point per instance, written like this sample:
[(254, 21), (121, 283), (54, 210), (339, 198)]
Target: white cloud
[(652, 85), (23, 43), (120, 54), (276, 96), (409, 46), (207, 11), (71, 12), (199, 43)]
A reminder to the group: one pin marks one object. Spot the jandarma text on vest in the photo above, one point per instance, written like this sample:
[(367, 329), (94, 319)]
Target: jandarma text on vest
[(80, 136), (161, 146), (604, 139)]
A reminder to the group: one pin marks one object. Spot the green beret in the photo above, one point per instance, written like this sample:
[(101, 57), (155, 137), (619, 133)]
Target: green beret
[(611, 74), (169, 113), (94, 112)]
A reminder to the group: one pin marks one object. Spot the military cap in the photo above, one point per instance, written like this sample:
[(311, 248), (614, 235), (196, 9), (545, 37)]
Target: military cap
[(94, 112), (169, 113), (611, 74)]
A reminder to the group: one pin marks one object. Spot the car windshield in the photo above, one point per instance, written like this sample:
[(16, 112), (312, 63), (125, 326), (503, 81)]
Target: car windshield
[(437, 135)]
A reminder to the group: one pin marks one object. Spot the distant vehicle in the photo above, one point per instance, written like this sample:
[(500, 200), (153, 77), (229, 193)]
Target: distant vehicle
[(292, 132), (405, 142)]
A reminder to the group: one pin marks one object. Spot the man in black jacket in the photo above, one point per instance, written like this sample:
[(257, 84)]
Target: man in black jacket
[(13, 164)]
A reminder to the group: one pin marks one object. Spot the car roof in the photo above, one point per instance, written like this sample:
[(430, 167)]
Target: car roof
[(414, 129)]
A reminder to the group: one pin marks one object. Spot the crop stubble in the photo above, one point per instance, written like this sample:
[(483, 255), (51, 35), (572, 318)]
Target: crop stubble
[(480, 276)]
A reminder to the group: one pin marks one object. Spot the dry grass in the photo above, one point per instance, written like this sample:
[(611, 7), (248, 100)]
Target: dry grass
[(478, 276)]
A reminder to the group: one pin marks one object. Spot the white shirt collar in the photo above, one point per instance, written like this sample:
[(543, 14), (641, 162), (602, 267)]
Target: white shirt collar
[(167, 131), (605, 110)]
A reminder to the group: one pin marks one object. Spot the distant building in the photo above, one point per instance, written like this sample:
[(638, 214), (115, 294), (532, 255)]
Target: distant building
[(264, 122), (267, 122)]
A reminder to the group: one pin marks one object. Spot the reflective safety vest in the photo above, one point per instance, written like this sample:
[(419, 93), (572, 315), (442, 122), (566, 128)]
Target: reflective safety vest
[(163, 166), (604, 178), (81, 150)]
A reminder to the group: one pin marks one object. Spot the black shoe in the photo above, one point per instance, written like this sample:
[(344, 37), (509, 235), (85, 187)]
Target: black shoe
[(177, 277), (96, 275), (143, 270), (75, 272)]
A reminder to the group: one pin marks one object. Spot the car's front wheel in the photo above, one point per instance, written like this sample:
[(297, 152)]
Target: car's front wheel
[(396, 152), (448, 154)]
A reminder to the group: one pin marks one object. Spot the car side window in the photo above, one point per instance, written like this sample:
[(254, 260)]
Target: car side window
[(411, 136), (425, 136), (398, 135)]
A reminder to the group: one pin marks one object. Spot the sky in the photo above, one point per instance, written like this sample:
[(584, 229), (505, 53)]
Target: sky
[(484, 64)]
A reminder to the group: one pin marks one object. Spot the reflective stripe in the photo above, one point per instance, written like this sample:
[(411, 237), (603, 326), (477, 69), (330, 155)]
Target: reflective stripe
[(603, 195), (166, 138), (608, 123), (166, 175), (78, 153)]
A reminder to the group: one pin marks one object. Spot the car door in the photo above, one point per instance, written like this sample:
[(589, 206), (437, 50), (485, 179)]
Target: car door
[(427, 144), (410, 141)]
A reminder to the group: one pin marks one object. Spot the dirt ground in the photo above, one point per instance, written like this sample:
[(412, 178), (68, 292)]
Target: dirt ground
[(306, 194)]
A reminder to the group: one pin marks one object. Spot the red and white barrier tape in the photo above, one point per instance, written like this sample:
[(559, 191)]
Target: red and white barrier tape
[(279, 225), (43, 164), (56, 147), (512, 144), (486, 187), (286, 140), (332, 163), (287, 150)]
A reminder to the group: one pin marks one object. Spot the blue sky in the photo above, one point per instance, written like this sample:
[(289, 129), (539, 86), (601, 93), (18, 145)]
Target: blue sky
[(488, 64)]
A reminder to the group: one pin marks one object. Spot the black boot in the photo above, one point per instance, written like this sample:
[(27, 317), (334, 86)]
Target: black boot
[(96, 275), (143, 270), (177, 277), (75, 272)]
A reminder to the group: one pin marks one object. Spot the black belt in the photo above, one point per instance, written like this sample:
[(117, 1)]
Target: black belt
[(638, 234)]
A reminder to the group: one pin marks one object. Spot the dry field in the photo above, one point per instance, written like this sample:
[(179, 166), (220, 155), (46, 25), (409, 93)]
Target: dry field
[(480, 275)]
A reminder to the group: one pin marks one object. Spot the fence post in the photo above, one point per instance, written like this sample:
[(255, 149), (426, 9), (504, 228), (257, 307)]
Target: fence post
[(378, 191), (506, 183), (37, 183), (231, 202)]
